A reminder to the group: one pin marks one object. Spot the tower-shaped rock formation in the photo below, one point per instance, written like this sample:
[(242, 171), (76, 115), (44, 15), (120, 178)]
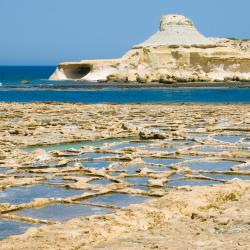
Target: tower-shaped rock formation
[(176, 30)]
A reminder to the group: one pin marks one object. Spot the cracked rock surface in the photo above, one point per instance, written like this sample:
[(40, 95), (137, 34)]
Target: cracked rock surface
[(101, 160)]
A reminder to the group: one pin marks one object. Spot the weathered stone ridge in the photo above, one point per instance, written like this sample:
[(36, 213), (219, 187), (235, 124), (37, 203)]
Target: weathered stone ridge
[(176, 53)]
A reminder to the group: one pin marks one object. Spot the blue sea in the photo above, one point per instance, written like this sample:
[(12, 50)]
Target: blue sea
[(40, 88)]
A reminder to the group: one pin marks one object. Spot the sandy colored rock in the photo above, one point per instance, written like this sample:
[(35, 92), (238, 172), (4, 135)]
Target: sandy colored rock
[(201, 218), (177, 52), (179, 218)]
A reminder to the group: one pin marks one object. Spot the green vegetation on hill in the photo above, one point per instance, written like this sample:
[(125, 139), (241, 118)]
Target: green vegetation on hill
[(238, 39)]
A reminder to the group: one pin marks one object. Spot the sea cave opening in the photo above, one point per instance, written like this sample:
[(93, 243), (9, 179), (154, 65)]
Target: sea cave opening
[(77, 71)]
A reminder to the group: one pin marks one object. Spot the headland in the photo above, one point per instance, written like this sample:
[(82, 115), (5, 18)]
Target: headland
[(177, 52)]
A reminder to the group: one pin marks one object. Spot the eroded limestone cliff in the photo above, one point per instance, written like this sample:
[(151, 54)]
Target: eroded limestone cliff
[(176, 53)]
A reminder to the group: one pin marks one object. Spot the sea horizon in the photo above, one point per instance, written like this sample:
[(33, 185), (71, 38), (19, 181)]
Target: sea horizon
[(124, 125)]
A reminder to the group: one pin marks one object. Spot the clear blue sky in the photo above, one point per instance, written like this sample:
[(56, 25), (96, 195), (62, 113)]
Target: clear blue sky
[(45, 32)]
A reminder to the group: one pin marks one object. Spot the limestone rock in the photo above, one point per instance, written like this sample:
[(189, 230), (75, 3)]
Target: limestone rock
[(24, 81), (2, 155), (176, 30), (177, 52)]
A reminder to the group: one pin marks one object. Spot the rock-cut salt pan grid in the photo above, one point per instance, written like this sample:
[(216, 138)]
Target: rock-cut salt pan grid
[(105, 157)]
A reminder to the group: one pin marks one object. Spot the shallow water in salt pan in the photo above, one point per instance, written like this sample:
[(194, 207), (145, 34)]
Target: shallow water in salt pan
[(194, 182), (120, 200), (4, 170), (18, 195), (212, 166), (63, 212), (74, 145), (228, 177), (210, 149), (230, 139), (137, 180), (57, 181), (126, 145), (128, 173), (95, 164), (10, 227), (100, 182)]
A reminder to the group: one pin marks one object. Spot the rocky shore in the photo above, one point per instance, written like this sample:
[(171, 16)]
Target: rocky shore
[(152, 153), (190, 218), (124, 85), (176, 53)]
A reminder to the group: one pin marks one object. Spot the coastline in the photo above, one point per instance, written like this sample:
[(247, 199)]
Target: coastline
[(149, 150), (77, 86)]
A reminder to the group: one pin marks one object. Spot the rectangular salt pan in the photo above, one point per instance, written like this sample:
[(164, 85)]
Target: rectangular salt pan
[(63, 212), (120, 200), (212, 166), (9, 227), (18, 195)]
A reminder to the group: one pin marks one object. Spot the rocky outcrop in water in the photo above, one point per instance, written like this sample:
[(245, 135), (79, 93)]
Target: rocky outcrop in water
[(176, 53)]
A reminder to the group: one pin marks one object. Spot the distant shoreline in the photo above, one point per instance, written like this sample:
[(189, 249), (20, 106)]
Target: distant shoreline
[(132, 86)]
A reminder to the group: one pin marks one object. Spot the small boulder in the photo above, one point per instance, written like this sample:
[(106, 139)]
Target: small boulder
[(24, 81)]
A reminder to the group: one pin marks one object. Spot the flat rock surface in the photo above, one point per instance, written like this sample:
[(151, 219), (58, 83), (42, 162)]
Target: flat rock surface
[(172, 139), (198, 218)]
